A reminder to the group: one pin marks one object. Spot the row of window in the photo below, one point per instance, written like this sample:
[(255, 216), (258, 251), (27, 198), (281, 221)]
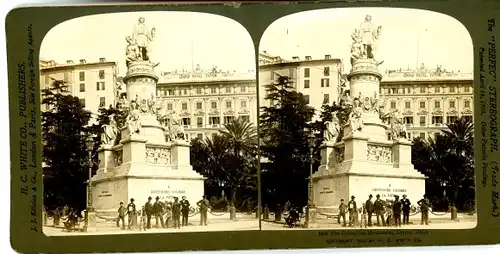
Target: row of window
[(81, 75), (100, 86), (423, 89), (213, 105), (437, 104), (326, 72), (326, 98), (199, 90), (102, 102), (325, 82), (213, 121), (436, 120), (422, 135)]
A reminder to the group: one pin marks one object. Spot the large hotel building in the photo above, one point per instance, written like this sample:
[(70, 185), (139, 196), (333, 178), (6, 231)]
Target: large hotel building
[(204, 100), (428, 99)]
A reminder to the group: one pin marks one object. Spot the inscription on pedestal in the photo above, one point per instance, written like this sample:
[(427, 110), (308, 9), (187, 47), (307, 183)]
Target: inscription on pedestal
[(159, 156), (379, 154)]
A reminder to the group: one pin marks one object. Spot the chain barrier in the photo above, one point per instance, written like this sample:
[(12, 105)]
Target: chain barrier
[(214, 214)]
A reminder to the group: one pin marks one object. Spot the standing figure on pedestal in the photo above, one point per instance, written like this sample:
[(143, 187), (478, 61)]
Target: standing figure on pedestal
[(366, 35), (398, 127), (110, 131), (355, 117), (133, 119), (143, 36), (332, 129)]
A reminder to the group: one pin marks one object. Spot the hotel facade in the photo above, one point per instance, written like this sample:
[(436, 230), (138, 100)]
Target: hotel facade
[(206, 101), (428, 99)]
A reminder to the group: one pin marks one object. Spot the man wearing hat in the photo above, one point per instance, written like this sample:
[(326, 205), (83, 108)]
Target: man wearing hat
[(406, 210), (176, 213), (342, 212), (369, 209), (185, 210), (148, 207), (158, 211), (132, 214), (204, 205), (424, 204), (396, 210), (353, 209), (378, 208)]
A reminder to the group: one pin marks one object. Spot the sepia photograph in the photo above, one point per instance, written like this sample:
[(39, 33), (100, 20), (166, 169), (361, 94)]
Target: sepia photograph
[(366, 121), (149, 125)]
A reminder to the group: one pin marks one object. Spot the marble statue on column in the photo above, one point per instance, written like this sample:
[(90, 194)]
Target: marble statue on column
[(356, 116), (365, 40), (332, 129), (109, 133), (133, 119), (143, 37), (175, 131), (398, 127)]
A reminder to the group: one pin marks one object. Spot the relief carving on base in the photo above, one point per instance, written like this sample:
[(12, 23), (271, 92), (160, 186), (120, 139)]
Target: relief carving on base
[(159, 156), (379, 154)]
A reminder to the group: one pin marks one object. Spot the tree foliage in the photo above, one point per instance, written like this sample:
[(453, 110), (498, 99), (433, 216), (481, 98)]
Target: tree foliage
[(65, 153), (448, 162), (228, 160), (284, 128)]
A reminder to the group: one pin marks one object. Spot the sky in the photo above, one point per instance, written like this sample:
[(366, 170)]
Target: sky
[(440, 39), (183, 39)]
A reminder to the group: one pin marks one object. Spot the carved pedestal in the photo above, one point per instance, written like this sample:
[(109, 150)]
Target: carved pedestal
[(144, 164), (371, 163)]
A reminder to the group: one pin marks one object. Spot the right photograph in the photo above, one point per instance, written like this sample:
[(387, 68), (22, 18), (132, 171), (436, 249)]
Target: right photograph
[(366, 121)]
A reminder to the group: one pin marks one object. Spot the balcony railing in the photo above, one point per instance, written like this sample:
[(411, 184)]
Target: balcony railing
[(402, 76)]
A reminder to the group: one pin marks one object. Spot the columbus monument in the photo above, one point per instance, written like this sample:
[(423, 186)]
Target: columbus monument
[(368, 152), (152, 157)]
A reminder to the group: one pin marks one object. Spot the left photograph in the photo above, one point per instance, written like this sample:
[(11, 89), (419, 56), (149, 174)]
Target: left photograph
[(149, 125)]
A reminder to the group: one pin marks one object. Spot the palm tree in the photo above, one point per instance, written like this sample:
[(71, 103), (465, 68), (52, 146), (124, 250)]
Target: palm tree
[(461, 136), (242, 138)]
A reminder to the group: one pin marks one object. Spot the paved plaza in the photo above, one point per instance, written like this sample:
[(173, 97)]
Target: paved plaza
[(436, 222), (243, 222)]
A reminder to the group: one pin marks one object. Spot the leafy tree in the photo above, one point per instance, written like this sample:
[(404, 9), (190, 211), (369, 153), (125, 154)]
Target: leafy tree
[(65, 152), (285, 127), (448, 162)]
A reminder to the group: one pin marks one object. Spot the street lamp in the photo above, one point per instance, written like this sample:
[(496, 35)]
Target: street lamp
[(90, 143), (90, 220), (310, 210)]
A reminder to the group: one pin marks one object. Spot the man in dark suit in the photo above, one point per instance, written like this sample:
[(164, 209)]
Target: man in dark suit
[(204, 205), (353, 212), (148, 207), (378, 207), (185, 210), (369, 209), (406, 210), (342, 212), (396, 209), (424, 204), (132, 214), (158, 211), (176, 212)]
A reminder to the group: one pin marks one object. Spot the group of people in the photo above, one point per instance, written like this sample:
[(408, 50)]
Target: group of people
[(387, 212), (163, 211)]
